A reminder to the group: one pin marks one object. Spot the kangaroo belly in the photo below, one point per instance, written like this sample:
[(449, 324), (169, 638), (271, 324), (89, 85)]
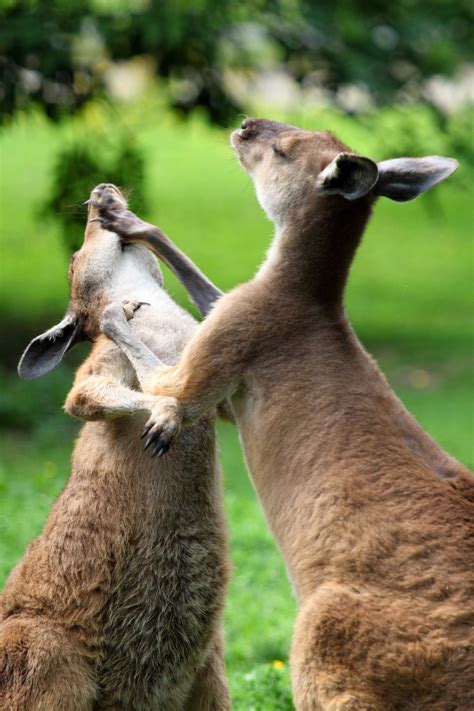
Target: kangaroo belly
[(167, 588), (160, 618)]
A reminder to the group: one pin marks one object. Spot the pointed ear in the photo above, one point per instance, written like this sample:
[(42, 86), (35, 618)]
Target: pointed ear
[(46, 350), (403, 179), (348, 175)]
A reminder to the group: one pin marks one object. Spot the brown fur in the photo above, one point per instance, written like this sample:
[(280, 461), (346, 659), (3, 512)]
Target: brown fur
[(118, 603), (373, 519)]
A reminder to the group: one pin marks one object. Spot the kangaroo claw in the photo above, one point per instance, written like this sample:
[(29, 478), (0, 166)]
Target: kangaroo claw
[(130, 307)]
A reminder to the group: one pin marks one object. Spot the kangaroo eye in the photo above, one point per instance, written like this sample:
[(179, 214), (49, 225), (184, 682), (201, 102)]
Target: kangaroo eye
[(278, 152)]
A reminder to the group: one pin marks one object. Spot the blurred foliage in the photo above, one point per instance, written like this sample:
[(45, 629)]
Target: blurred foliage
[(56, 51), (418, 130), (199, 195), (115, 157), (82, 165)]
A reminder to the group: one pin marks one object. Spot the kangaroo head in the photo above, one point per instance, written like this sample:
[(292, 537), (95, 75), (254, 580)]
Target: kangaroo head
[(102, 270), (293, 168)]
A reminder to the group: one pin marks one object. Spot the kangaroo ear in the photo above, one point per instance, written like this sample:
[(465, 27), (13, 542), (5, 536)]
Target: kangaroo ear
[(349, 175), (46, 350), (403, 179)]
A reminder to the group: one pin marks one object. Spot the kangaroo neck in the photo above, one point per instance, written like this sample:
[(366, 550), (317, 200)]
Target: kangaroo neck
[(311, 254)]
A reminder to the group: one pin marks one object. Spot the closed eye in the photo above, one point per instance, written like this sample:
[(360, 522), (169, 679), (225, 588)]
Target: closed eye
[(279, 152)]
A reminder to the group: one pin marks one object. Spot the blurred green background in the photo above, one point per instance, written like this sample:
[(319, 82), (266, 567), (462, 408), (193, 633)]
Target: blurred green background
[(144, 94)]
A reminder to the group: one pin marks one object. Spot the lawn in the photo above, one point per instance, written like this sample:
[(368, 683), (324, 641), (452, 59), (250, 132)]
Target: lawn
[(410, 299)]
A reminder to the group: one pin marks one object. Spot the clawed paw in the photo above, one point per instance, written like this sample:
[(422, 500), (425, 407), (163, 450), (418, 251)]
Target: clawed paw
[(116, 313), (130, 307), (162, 427), (107, 198), (113, 213)]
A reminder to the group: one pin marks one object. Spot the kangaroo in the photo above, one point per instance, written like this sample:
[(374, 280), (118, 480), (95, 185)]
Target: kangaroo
[(118, 603), (373, 519)]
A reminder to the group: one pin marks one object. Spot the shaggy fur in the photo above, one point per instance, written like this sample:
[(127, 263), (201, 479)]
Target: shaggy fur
[(118, 603), (373, 519)]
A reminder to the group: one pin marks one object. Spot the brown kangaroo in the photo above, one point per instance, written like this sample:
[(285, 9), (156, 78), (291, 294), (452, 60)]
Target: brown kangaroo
[(118, 603), (373, 519)]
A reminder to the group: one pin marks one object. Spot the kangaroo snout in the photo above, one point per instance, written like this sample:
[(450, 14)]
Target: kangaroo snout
[(257, 128), (104, 193), (107, 187), (248, 129)]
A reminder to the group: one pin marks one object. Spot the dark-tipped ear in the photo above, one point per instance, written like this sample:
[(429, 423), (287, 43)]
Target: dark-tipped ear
[(46, 350), (403, 179), (348, 175)]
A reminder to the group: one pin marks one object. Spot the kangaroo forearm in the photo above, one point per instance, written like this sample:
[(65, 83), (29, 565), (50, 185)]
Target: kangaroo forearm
[(143, 360), (212, 363), (210, 370), (99, 398), (131, 229), (201, 290), (197, 387)]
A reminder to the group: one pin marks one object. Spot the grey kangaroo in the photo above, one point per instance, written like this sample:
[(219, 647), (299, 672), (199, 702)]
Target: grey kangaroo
[(374, 520), (118, 603)]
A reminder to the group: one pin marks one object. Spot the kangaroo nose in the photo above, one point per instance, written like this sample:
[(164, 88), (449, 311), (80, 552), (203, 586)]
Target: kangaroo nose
[(248, 128)]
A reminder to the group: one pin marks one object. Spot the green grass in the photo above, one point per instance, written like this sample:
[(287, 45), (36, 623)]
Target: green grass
[(410, 299)]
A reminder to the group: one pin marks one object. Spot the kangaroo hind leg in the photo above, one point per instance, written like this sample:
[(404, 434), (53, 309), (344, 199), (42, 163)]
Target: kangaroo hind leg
[(41, 669), (210, 691)]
